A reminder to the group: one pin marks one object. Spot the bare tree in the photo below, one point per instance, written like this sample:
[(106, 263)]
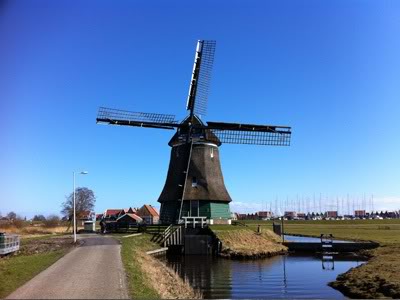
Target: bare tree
[(39, 218), (52, 221), (11, 215), (84, 199)]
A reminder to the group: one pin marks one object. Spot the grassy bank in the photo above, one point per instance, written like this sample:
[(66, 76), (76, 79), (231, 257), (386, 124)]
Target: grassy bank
[(380, 277), (36, 255), (381, 231), (244, 242), (148, 278)]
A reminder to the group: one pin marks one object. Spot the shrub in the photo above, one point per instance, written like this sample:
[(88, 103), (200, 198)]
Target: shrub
[(52, 221), (18, 222)]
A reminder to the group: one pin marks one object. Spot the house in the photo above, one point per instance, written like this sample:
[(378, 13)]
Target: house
[(113, 213), (241, 216), (359, 213), (331, 214), (392, 215), (149, 214), (129, 210), (264, 215), (128, 219), (84, 216), (301, 216), (290, 215)]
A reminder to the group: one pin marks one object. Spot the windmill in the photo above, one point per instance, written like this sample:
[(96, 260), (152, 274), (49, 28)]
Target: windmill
[(195, 186)]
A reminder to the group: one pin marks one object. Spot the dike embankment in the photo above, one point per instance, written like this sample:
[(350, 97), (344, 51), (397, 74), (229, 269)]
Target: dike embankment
[(378, 278), (244, 243), (148, 277)]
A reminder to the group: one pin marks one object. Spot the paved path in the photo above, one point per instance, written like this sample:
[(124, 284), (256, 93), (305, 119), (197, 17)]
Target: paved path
[(93, 270)]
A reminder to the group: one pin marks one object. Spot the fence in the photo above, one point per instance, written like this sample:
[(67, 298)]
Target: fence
[(8, 243)]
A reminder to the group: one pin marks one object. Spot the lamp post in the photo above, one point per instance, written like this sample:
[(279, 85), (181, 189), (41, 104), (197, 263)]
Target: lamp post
[(73, 173)]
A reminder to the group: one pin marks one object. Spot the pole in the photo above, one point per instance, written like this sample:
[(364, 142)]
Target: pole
[(283, 231), (74, 209)]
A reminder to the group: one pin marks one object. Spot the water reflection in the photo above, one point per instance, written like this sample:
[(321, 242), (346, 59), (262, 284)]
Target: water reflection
[(328, 262), (309, 239), (292, 276)]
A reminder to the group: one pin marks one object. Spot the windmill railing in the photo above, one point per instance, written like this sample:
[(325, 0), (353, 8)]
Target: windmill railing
[(193, 221)]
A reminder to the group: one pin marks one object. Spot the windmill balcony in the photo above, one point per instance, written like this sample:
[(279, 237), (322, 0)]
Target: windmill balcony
[(203, 221), (195, 222)]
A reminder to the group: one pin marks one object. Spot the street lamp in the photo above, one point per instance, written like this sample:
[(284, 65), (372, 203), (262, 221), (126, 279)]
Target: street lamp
[(82, 173)]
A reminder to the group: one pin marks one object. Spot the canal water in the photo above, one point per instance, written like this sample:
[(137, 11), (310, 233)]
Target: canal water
[(306, 239), (291, 276)]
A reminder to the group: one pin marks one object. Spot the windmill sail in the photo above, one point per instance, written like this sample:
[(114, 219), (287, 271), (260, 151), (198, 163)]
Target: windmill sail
[(200, 82), (122, 117), (235, 133), (194, 187)]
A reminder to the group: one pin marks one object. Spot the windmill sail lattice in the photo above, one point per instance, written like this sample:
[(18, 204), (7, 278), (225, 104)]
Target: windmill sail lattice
[(195, 184), (201, 76), (141, 119), (235, 133)]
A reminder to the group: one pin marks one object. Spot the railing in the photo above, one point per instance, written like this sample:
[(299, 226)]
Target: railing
[(9, 243), (326, 243), (172, 235), (167, 232), (195, 220), (175, 237)]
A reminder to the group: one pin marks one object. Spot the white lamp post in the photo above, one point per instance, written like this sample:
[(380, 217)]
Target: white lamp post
[(83, 173)]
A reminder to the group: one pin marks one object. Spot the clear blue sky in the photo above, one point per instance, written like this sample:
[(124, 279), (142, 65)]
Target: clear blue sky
[(329, 69)]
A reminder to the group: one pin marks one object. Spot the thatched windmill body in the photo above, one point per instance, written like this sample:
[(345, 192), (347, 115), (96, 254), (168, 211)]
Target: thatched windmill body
[(195, 185)]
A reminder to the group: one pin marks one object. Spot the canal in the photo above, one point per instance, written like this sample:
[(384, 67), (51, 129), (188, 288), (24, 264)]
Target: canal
[(288, 276)]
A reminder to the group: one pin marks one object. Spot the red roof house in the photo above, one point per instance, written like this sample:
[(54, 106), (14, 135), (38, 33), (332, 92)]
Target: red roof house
[(149, 214), (129, 210), (129, 218), (113, 213)]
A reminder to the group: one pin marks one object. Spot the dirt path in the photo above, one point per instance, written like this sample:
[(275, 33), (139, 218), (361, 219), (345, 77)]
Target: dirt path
[(93, 270)]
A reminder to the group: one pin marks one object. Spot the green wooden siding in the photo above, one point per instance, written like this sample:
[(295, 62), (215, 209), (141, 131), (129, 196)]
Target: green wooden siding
[(220, 210), (209, 209), (205, 209)]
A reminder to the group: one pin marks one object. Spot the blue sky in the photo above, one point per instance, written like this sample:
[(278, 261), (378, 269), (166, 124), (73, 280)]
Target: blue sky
[(329, 69)]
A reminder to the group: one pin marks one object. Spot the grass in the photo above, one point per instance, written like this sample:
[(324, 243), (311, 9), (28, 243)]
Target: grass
[(139, 285), (379, 278), (17, 270), (246, 242), (35, 255), (382, 231), (148, 278), (385, 234)]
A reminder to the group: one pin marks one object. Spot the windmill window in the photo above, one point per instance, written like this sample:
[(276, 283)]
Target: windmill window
[(212, 152), (194, 182)]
